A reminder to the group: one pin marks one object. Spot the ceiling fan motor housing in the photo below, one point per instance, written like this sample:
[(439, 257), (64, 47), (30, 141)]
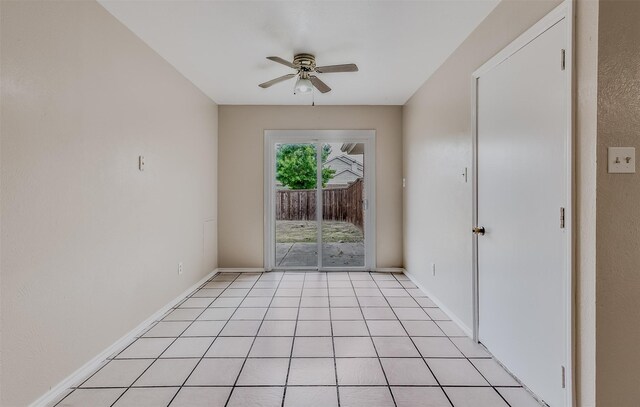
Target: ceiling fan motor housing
[(306, 62)]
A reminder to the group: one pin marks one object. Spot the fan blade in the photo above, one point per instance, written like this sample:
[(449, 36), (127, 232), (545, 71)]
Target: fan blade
[(277, 80), (282, 61), (337, 68), (321, 86)]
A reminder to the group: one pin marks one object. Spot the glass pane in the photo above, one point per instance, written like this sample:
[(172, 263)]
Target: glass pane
[(342, 201), (296, 219)]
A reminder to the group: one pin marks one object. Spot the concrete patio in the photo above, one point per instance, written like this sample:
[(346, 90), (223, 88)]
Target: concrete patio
[(333, 254)]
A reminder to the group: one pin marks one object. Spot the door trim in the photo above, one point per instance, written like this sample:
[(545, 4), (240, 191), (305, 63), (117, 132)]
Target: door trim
[(564, 11), (368, 137)]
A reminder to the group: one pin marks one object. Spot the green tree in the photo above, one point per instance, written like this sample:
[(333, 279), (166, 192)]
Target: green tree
[(296, 165)]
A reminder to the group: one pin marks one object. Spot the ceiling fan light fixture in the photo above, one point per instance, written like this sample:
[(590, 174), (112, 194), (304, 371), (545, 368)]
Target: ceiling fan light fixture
[(303, 85)]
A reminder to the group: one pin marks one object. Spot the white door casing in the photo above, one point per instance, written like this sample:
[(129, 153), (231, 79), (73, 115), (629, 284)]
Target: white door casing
[(523, 180)]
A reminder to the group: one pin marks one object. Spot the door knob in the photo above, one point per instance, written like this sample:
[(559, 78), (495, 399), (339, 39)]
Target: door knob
[(478, 230)]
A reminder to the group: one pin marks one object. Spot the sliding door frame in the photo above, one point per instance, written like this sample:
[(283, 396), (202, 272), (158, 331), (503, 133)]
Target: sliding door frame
[(366, 137)]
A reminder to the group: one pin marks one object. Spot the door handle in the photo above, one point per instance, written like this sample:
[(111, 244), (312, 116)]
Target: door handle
[(478, 230)]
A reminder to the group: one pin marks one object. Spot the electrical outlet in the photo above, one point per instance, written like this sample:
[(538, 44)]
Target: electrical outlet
[(404, 182), (433, 269), (180, 268), (141, 163)]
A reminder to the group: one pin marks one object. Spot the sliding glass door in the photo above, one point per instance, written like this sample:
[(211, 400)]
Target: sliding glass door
[(296, 216), (317, 200), (343, 205)]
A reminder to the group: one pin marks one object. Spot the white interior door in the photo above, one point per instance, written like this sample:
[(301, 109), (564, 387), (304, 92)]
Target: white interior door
[(522, 178)]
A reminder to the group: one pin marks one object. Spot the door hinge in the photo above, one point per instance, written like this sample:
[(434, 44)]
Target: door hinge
[(562, 222), (563, 59), (564, 377)]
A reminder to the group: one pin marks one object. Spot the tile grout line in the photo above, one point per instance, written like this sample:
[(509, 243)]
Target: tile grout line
[(233, 387), (293, 341), (301, 385), (481, 374), (464, 356), (371, 338), (410, 338), (137, 338), (333, 345), (174, 341), (214, 338), (153, 324), (218, 335), (468, 359)]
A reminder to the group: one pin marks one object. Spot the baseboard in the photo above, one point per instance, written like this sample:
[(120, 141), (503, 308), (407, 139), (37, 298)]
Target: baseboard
[(441, 305), (241, 270), (262, 270), (389, 270), (94, 363)]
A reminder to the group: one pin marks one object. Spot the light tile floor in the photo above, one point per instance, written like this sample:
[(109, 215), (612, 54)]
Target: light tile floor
[(300, 340)]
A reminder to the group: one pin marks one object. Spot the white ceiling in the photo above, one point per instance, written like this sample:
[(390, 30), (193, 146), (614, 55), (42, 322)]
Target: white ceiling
[(221, 45)]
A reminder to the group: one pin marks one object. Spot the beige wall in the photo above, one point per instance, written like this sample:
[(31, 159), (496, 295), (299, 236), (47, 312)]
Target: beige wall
[(437, 147), (241, 164), (618, 208), (90, 245)]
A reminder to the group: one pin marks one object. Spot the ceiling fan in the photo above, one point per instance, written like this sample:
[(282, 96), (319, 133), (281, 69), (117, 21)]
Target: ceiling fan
[(305, 65)]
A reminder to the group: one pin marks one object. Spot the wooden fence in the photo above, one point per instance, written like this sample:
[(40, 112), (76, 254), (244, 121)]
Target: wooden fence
[(341, 204)]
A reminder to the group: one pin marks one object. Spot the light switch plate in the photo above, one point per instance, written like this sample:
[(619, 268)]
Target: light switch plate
[(622, 160)]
